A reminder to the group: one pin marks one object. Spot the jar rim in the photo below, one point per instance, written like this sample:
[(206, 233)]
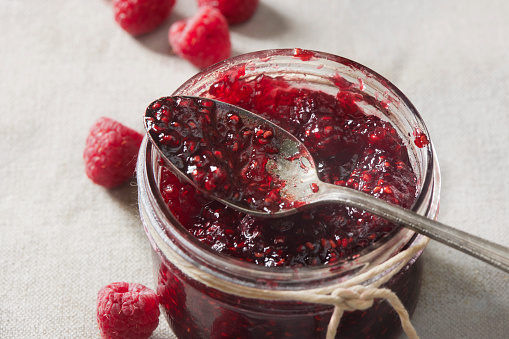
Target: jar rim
[(232, 269)]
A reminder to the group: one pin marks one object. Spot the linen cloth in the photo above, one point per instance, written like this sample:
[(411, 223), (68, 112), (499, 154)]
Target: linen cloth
[(64, 63)]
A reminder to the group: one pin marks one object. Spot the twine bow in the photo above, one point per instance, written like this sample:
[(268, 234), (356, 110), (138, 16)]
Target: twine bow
[(359, 298)]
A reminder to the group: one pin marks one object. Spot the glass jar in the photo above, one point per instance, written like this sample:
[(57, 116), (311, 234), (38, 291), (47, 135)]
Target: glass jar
[(196, 305)]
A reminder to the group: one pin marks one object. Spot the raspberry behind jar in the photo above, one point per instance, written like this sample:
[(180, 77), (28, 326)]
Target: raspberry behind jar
[(138, 17), (235, 11)]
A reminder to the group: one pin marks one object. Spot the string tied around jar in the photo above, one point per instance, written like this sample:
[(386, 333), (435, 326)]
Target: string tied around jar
[(354, 298), (357, 293), (353, 295)]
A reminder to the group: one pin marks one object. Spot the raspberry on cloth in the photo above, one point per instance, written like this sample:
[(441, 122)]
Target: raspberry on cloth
[(127, 310), (141, 16), (203, 39), (110, 152), (235, 11)]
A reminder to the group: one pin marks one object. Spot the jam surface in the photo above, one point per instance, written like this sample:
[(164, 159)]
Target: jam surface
[(349, 147)]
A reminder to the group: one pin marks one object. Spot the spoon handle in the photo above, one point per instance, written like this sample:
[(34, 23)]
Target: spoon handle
[(489, 252)]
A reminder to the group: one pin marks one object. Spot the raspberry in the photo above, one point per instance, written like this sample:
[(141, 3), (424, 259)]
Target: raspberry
[(235, 11), (110, 152), (203, 39), (141, 16), (127, 310)]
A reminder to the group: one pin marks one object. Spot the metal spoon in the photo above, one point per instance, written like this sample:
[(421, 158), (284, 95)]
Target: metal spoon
[(300, 188)]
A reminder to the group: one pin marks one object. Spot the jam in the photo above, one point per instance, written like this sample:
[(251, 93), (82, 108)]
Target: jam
[(223, 154), (349, 148), (343, 124), (195, 311)]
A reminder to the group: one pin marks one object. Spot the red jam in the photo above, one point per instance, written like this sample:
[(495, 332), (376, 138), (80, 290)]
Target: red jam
[(349, 148), (420, 139), (223, 154), (196, 311)]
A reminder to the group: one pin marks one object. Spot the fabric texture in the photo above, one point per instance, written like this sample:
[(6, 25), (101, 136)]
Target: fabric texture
[(65, 63)]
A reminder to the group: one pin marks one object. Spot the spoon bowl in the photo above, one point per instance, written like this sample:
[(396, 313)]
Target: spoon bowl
[(282, 180)]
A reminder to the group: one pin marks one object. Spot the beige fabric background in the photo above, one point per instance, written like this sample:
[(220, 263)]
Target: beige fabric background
[(64, 63)]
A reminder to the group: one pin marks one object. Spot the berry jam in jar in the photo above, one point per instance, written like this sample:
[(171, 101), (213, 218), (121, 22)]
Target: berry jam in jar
[(224, 274)]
